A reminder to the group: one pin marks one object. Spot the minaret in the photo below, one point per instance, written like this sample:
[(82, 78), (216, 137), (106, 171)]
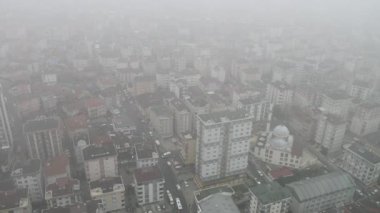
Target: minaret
[(267, 130)]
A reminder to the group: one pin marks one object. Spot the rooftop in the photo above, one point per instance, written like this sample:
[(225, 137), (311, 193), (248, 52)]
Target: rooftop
[(161, 110), (200, 195), (87, 207), (98, 151), (321, 185), (224, 116), (27, 167), (62, 186), (41, 124), (13, 199), (178, 104), (148, 174), (57, 165), (106, 185), (218, 203), (364, 153), (271, 192)]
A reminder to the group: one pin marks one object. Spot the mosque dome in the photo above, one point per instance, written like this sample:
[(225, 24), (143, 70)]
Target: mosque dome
[(281, 131)]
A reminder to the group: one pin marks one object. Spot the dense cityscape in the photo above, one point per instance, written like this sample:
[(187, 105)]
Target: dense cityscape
[(192, 107)]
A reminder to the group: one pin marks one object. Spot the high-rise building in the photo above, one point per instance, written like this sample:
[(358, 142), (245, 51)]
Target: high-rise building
[(6, 138), (149, 185), (279, 93), (44, 137), (222, 146), (366, 119), (330, 133), (336, 102)]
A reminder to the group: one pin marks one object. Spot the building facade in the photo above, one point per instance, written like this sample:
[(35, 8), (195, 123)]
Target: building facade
[(6, 137), (270, 198), (336, 103), (28, 175), (366, 119), (361, 163), (279, 93), (330, 133), (110, 191), (322, 192), (222, 146), (16, 201), (149, 185), (44, 137), (162, 120), (100, 161), (182, 117), (64, 192), (278, 148)]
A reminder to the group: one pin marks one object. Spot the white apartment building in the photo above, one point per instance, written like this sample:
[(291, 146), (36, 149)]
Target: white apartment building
[(100, 161), (162, 120), (360, 89), (182, 117), (361, 163), (64, 192), (330, 133), (222, 146), (319, 193), (279, 93), (278, 148), (366, 119), (146, 155), (110, 191), (269, 198), (28, 175), (257, 106), (336, 102), (149, 185)]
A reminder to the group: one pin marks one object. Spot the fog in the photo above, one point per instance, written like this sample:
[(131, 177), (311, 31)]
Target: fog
[(147, 106)]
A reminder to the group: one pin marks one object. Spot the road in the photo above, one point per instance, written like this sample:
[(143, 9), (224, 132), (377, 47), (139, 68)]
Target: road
[(170, 183)]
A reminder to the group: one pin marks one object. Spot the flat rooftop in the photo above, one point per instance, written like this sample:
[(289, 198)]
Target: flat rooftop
[(364, 153), (218, 203), (270, 193), (224, 116)]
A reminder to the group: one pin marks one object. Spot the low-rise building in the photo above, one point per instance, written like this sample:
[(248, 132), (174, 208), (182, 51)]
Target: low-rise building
[(58, 167), (162, 120), (270, 198), (110, 191), (278, 147), (16, 201), (92, 206), (361, 163), (215, 200), (149, 185), (64, 192), (95, 107), (28, 175), (100, 160), (322, 192)]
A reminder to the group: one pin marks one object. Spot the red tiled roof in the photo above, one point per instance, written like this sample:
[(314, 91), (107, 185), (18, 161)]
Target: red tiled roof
[(76, 122), (281, 172), (94, 102), (57, 165)]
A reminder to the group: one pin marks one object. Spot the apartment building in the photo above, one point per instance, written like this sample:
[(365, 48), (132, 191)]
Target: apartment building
[(162, 120), (100, 160), (28, 175), (44, 137), (182, 117), (279, 93), (149, 185), (361, 163), (222, 147), (366, 119), (110, 191), (64, 192), (270, 198)]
